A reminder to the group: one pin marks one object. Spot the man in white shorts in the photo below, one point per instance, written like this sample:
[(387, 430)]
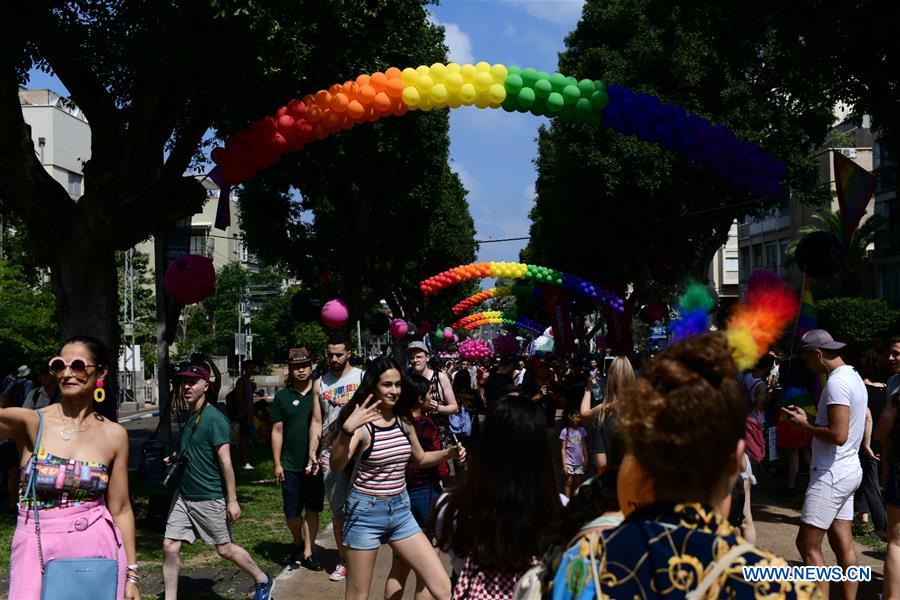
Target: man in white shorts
[(835, 472)]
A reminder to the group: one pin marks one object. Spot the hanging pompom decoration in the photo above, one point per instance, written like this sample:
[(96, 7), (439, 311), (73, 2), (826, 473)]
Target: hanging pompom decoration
[(190, 278), (335, 314), (398, 328), (693, 312)]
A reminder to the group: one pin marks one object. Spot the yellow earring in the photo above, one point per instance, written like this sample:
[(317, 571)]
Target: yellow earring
[(99, 393)]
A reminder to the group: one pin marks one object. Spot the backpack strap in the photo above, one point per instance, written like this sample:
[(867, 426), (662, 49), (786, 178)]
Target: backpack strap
[(718, 568)]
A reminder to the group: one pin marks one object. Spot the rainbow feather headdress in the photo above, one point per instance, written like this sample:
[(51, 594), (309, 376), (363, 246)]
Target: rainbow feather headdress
[(753, 326)]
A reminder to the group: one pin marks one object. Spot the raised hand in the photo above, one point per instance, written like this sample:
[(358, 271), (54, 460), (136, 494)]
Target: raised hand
[(362, 414)]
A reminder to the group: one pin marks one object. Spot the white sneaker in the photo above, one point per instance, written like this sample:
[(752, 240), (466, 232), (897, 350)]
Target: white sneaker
[(339, 573), (248, 467)]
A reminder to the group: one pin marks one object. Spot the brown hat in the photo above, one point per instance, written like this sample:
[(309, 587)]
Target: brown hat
[(299, 355)]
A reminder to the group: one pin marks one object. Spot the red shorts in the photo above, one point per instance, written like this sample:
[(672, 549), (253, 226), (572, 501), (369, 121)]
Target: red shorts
[(791, 438)]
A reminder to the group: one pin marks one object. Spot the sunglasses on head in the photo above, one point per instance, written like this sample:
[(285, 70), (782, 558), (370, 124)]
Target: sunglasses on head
[(79, 366)]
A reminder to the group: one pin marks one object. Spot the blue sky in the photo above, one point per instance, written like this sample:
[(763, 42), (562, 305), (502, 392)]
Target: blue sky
[(492, 150)]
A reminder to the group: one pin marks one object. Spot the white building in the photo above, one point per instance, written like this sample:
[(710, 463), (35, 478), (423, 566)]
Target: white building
[(724, 272)]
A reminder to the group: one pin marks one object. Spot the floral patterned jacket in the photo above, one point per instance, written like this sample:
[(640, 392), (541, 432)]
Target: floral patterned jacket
[(663, 551)]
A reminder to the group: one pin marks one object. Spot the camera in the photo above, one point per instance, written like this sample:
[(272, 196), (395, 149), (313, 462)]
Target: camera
[(177, 464)]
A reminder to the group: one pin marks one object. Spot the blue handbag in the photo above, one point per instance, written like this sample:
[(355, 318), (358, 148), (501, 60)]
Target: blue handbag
[(70, 578)]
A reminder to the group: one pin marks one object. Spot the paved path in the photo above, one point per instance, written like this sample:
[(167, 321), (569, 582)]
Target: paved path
[(776, 531)]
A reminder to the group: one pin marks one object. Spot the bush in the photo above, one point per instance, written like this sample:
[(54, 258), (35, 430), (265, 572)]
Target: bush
[(857, 321)]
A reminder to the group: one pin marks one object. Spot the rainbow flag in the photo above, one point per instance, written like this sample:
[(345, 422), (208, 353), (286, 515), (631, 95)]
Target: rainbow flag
[(855, 186)]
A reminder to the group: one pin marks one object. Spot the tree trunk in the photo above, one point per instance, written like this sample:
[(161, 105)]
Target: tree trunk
[(84, 279)]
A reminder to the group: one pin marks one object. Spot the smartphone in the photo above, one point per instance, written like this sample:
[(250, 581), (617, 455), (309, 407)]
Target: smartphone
[(607, 363)]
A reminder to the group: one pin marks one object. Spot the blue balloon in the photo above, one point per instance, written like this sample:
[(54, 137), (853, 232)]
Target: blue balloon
[(773, 188)]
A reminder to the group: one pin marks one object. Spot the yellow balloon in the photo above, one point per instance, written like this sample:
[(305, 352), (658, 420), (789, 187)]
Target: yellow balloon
[(438, 71), (425, 104), (483, 67), (409, 76), (497, 93), (453, 100), (424, 83), (482, 101), (454, 81), (452, 68), (467, 93), (468, 72), (439, 93), (499, 73), (411, 96), (422, 70), (483, 81)]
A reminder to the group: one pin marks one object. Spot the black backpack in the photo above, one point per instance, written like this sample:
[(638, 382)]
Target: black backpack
[(231, 404)]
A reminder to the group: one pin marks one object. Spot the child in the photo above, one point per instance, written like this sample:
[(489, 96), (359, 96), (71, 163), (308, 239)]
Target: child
[(574, 451)]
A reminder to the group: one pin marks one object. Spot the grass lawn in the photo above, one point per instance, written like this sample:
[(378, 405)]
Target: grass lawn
[(261, 529)]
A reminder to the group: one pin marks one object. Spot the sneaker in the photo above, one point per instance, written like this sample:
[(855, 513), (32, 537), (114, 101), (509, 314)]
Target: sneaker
[(262, 591), (339, 573), (310, 562), (292, 557), (248, 467)]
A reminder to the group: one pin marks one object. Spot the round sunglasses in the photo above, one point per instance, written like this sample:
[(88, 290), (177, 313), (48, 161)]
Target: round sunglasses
[(79, 366)]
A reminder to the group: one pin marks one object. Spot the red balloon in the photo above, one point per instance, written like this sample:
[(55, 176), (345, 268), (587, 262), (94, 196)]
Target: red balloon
[(217, 155), (190, 278)]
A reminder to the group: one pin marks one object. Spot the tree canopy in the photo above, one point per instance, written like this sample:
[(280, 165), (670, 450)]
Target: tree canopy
[(645, 215)]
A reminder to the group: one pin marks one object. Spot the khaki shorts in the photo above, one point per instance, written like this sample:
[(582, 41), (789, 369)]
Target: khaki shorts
[(206, 519)]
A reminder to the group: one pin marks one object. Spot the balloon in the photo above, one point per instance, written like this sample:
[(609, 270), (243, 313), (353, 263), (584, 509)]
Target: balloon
[(335, 314), (378, 323), (398, 328), (448, 333), (455, 338), (190, 278)]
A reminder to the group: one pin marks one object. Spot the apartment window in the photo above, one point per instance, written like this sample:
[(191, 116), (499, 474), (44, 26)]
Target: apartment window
[(783, 256), (75, 185), (771, 255), (200, 241), (240, 250), (757, 256)]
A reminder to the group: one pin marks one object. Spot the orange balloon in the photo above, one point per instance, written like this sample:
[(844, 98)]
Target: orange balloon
[(323, 98), (399, 109), (351, 88), (281, 111), (314, 113), (379, 81), (363, 79), (393, 73), (335, 89), (366, 93), (339, 103), (355, 109), (633, 486), (394, 88), (372, 114), (330, 119), (382, 102), (309, 100)]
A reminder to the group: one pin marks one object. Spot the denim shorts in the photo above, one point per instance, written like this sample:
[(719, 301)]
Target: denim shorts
[(422, 499), (370, 521)]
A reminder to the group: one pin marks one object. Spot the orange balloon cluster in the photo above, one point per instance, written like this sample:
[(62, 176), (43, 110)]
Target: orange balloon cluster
[(315, 117), (456, 275)]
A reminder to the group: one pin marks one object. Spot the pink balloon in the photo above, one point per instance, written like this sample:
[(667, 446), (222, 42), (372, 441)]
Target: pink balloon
[(335, 314), (399, 328), (448, 333), (190, 278), (455, 338)]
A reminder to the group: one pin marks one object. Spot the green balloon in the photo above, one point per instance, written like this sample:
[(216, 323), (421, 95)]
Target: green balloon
[(599, 85), (571, 94), (529, 76), (559, 281), (514, 70), (583, 109), (543, 75), (539, 108), (510, 104), (542, 88), (555, 102), (513, 84), (526, 97), (571, 81), (558, 81), (587, 88), (599, 100)]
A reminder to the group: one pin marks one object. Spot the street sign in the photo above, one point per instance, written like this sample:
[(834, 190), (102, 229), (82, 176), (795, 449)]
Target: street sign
[(240, 344)]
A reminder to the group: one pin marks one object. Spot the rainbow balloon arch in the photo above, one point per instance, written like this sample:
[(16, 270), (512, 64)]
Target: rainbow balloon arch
[(519, 289), (531, 273), (394, 92), (497, 317)]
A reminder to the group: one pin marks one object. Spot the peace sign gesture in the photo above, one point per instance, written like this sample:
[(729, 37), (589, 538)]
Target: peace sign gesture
[(362, 414)]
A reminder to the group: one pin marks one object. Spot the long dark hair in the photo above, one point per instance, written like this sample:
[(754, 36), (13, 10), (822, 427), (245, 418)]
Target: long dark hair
[(502, 513), (462, 390), (367, 386), (99, 353)]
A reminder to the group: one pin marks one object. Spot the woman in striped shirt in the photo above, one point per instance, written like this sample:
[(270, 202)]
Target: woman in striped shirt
[(375, 431)]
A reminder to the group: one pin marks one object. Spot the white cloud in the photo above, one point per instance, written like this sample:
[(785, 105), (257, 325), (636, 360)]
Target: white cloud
[(561, 12), (459, 45), (468, 180)]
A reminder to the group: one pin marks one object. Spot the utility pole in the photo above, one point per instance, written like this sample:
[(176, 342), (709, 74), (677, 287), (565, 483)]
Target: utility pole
[(129, 379)]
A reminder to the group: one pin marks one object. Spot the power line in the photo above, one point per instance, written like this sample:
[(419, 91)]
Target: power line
[(513, 239)]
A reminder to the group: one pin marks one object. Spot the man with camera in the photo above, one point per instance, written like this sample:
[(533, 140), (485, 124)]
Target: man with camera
[(206, 499)]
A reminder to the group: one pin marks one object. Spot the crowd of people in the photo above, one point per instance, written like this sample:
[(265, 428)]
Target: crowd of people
[(540, 477)]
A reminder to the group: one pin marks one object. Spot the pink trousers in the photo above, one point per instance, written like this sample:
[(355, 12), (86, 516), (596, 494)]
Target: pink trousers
[(82, 531)]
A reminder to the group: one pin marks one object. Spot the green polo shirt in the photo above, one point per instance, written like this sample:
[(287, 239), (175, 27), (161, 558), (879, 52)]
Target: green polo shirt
[(294, 410), (202, 479)]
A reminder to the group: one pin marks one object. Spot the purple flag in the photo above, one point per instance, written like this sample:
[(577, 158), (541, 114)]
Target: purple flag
[(223, 214)]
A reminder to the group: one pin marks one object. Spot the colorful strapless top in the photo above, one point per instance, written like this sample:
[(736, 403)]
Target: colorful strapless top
[(62, 482)]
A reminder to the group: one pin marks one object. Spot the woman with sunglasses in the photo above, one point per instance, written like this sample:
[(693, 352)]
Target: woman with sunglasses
[(81, 488)]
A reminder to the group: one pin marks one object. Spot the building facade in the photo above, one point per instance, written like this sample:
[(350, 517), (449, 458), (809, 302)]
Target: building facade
[(887, 243)]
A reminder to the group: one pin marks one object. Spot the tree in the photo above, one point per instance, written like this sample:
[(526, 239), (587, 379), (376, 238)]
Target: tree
[(152, 79), (643, 214), (857, 321), (28, 331)]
